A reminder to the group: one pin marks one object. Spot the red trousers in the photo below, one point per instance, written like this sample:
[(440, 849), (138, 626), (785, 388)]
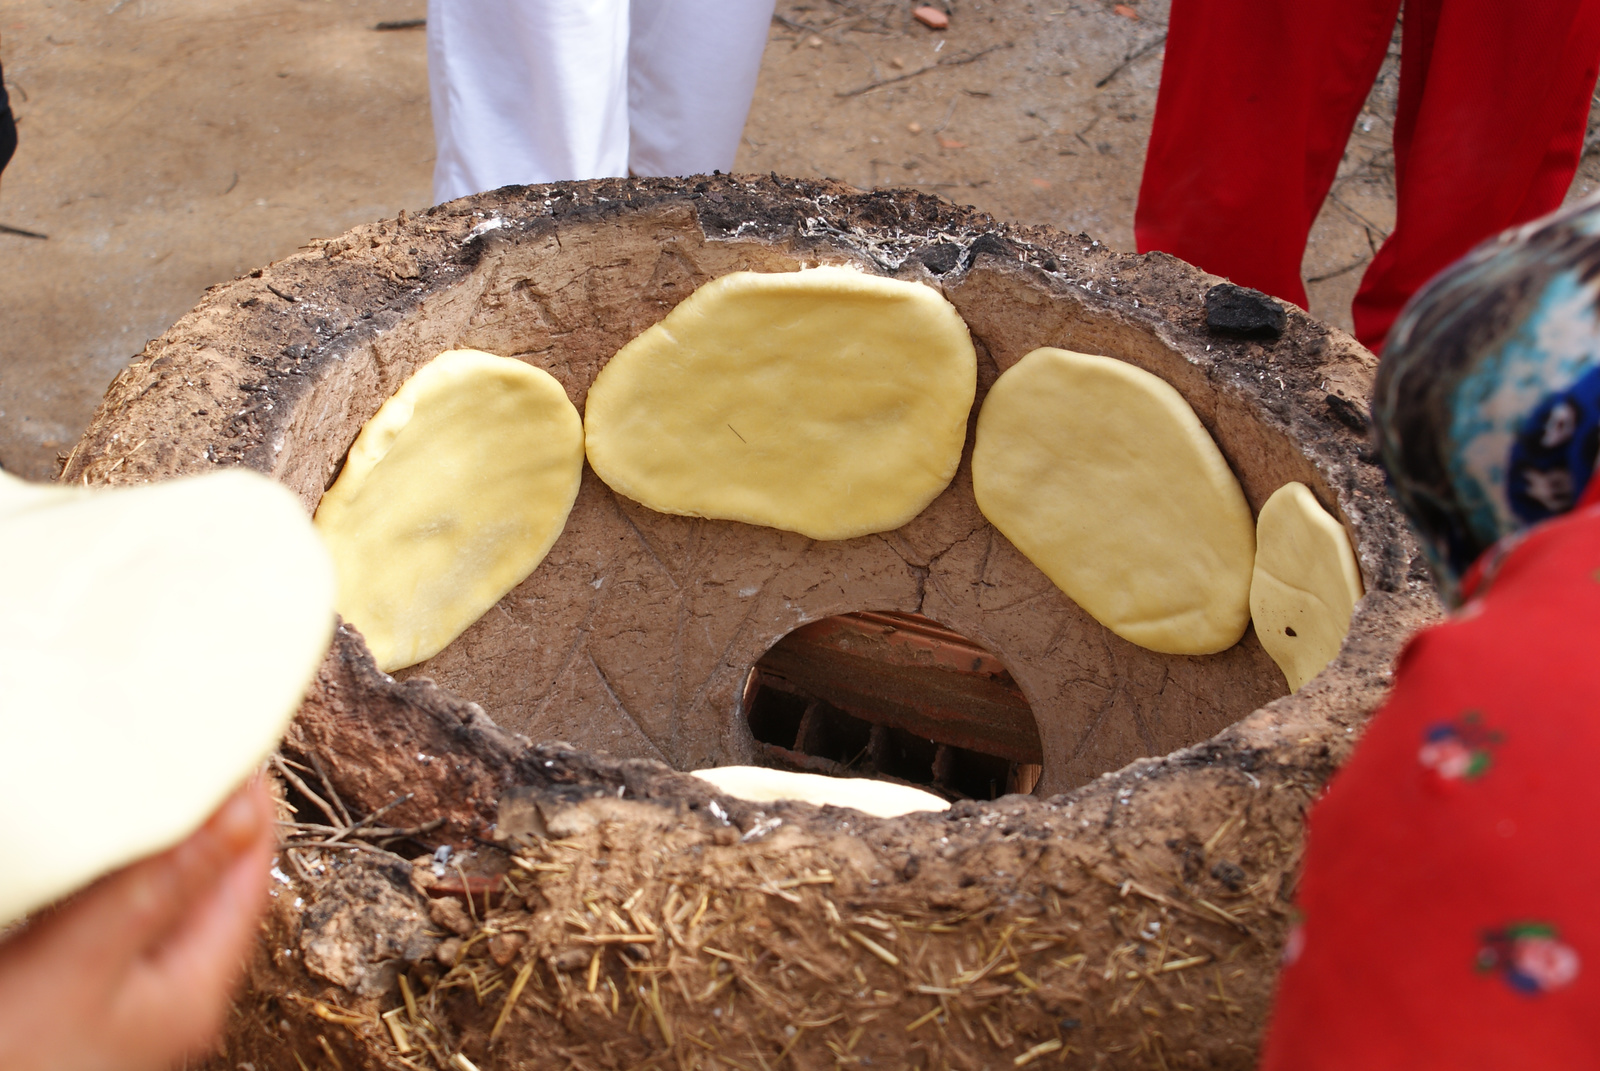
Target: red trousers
[(1258, 98)]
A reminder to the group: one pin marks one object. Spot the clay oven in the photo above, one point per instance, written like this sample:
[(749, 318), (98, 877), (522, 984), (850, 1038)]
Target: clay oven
[(1158, 843)]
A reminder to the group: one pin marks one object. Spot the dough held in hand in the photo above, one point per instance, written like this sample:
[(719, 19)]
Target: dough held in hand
[(1305, 584), (453, 493), (826, 402), (884, 799), (1101, 474), (154, 642)]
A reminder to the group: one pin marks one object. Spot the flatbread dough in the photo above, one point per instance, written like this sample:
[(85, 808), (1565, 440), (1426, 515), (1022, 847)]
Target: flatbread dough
[(883, 799), (453, 493), (1103, 476), (1305, 585), (826, 402), (154, 641)]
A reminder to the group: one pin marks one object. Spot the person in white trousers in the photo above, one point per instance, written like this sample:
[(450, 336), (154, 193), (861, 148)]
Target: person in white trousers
[(528, 91)]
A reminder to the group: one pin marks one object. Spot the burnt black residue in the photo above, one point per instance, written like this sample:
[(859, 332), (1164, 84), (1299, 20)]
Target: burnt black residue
[(1348, 413), (338, 305), (287, 344), (941, 257), (1244, 313), (993, 245), (887, 226)]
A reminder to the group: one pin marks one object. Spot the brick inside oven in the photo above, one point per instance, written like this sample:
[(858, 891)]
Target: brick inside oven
[(896, 696)]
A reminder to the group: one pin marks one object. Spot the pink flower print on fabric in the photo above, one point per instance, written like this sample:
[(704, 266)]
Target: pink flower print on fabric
[(1530, 956), (1460, 750), (1451, 759)]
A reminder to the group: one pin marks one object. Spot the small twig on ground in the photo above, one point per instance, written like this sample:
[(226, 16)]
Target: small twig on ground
[(466, 887), (954, 61), (333, 793), (6, 228), (401, 24), (373, 817), (410, 831), (1130, 59), (305, 790), (1336, 199), (334, 835), (841, 24), (294, 861), (1352, 266), (351, 845), (797, 27), (290, 298), (881, 19)]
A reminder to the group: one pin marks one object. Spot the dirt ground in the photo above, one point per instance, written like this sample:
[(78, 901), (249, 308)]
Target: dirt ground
[(171, 144)]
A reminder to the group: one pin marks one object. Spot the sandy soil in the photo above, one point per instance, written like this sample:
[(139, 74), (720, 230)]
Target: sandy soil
[(168, 145)]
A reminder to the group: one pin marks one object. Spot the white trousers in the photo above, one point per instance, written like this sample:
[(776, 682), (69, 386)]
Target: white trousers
[(550, 90)]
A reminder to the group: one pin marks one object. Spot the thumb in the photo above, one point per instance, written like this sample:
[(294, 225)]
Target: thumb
[(200, 957), (116, 919)]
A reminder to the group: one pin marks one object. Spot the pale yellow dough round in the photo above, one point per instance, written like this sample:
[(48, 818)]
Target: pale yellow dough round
[(826, 402), (1305, 584), (1103, 476), (453, 493), (154, 642), (883, 799)]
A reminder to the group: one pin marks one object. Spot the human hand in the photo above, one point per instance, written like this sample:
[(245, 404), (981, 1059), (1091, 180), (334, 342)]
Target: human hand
[(136, 971)]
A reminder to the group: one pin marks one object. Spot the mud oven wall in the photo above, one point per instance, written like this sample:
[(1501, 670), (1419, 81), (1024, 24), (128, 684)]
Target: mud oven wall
[(636, 634)]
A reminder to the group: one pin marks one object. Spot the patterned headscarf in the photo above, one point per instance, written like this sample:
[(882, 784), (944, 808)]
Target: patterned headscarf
[(1487, 399)]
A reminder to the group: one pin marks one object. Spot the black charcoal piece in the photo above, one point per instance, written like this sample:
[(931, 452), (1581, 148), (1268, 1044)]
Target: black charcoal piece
[(1243, 313), (992, 244), (1348, 413), (941, 257)]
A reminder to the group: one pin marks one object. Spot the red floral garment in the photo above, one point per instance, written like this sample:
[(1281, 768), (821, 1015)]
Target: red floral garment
[(1451, 893)]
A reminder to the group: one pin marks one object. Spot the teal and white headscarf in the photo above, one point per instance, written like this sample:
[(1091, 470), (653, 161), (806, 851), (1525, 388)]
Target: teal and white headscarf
[(1487, 399)]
